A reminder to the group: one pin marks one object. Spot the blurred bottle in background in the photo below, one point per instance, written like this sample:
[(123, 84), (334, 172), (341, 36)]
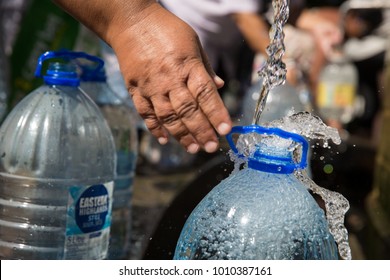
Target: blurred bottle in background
[(336, 96), (123, 127), (57, 171), (282, 101)]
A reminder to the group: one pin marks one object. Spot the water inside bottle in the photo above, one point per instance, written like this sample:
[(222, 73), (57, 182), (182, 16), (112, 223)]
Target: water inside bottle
[(303, 123), (312, 127)]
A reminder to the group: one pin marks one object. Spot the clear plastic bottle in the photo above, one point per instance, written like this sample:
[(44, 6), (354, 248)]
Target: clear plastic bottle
[(261, 211), (124, 129), (281, 101), (57, 168), (336, 91)]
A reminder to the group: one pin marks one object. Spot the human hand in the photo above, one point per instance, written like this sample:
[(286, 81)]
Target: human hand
[(173, 86), (324, 26)]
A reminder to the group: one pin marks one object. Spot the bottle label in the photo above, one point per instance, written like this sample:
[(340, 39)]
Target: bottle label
[(88, 221), (335, 96)]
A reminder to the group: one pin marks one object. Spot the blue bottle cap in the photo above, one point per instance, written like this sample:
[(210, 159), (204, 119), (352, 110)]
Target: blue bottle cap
[(62, 74), (59, 74), (269, 161)]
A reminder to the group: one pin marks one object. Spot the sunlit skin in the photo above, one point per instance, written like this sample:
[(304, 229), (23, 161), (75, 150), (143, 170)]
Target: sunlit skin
[(167, 73)]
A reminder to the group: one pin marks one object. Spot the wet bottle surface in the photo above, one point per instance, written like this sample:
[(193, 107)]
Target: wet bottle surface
[(259, 212), (122, 123), (57, 168)]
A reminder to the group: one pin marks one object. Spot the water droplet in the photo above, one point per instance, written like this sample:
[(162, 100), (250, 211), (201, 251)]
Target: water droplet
[(328, 169)]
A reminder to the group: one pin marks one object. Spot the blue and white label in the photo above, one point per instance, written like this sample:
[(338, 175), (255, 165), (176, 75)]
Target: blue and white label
[(92, 209), (88, 221)]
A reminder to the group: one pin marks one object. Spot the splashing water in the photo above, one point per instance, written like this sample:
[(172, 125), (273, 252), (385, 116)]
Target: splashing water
[(308, 125), (312, 127), (274, 71), (336, 205), (303, 123)]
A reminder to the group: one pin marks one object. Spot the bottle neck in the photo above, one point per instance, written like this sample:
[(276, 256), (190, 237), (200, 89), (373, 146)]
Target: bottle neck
[(273, 160), (62, 75)]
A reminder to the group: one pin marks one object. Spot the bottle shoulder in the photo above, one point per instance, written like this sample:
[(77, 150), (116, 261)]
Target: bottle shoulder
[(56, 132)]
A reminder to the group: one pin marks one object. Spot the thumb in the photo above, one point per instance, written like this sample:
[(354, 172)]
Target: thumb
[(217, 80)]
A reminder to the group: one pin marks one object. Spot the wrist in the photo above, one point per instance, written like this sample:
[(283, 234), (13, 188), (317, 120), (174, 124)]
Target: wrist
[(107, 18)]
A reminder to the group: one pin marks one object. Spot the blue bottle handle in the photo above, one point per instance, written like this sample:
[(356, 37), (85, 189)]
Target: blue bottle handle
[(275, 168), (68, 55)]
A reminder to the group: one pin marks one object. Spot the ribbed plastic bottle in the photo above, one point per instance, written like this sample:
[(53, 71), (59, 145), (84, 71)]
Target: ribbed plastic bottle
[(337, 90), (57, 169), (262, 211), (123, 127)]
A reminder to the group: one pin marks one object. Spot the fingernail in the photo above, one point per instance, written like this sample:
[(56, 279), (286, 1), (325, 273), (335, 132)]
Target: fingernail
[(224, 128), (211, 146), (193, 148), (162, 140), (218, 80)]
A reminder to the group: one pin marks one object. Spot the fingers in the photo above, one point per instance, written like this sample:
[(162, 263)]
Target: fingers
[(187, 119), (146, 111), (193, 118), (217, 80), (204, 91), (173, 86), (173, 111)]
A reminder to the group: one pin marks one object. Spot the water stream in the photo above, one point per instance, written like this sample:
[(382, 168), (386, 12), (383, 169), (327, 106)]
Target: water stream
[(303, 123), (274, 70)]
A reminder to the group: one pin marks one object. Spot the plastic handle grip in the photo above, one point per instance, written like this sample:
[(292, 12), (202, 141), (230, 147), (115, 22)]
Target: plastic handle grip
[(70, 55), (270, 131)]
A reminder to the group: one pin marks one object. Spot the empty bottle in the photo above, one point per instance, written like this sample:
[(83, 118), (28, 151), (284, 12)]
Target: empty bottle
[(57, 169), (336, 92), (123, 127), (261, 211)]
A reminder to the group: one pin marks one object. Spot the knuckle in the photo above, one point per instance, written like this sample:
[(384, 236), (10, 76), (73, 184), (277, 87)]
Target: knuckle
[(181, 134), (204, 92), (152, 123), (169, 118), (187, 109)]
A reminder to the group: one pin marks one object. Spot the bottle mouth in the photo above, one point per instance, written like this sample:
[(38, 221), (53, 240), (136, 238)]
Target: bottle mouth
[(273, 162), (66, 73), (62, 74), (272, 149)]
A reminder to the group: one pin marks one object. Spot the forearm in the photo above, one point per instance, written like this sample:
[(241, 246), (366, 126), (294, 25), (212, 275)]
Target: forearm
[(106, 18), (255, 31)]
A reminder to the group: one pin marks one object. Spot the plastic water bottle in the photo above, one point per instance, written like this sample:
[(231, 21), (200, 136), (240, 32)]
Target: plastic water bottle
[(163, 159), (261, 211), (336, 92), (123, 127), (282, 101), (57, 169)]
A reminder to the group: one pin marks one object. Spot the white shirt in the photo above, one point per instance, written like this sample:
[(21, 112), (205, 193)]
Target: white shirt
[(212, 21)]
